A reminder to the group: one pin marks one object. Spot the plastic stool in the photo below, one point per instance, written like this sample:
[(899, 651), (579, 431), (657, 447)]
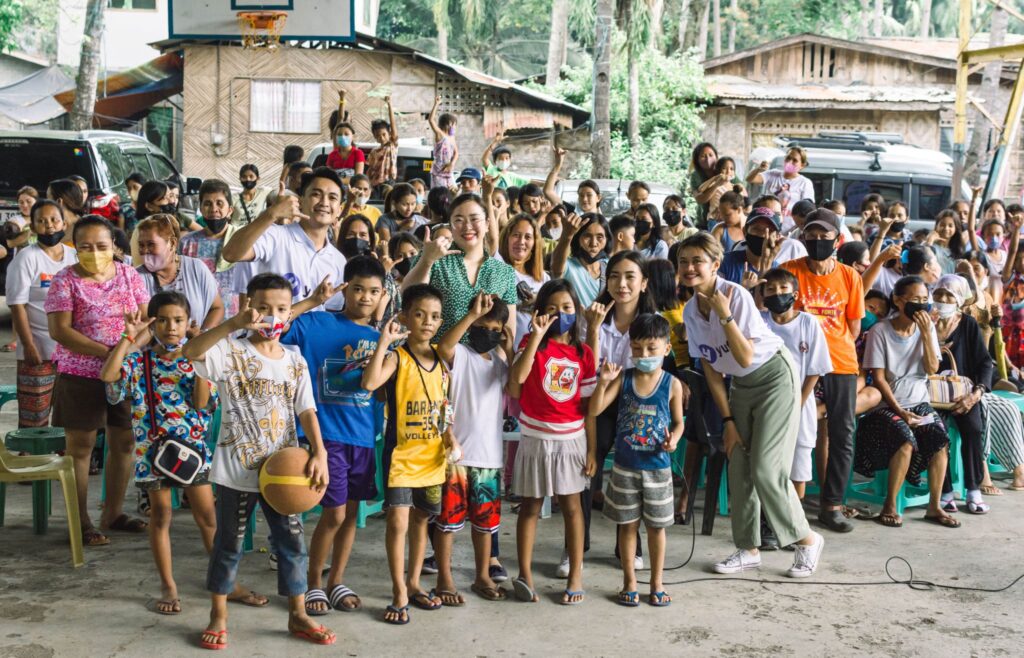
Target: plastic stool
[(8, 393), (38, 441)]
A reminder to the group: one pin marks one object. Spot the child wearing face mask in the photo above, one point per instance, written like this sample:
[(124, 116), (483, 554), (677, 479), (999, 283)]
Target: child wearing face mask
[(346, 158), (446, 149), (472, 486), (803, 337)]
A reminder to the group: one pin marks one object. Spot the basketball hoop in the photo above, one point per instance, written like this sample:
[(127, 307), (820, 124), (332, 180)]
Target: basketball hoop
[(261, 29)]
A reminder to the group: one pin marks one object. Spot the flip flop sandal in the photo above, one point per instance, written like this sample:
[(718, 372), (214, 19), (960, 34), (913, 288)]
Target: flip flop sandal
[(523, 591), (944, 521), (125, 523), (168, 607), (403, 615), (316, 595), (978, 508), (310, 634), (628, 599), (425, 601), (890, 520), (993, 490), (451, 599), (660, 599), (93, 537), (214, 645), (1012, 487), (252, 599), (569, 594), (489, 593), (338, 595), (949, 507)]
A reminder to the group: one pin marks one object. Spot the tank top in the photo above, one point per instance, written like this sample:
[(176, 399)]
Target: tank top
[(417, 404), (642, 425)]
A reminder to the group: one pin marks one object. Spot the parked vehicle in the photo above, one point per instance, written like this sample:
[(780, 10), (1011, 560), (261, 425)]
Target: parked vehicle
[(103, 158), (414, 158), (850, 165), (613, 194)]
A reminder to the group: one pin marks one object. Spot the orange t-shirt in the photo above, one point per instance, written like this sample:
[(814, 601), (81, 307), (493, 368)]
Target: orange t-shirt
[(835, 299)]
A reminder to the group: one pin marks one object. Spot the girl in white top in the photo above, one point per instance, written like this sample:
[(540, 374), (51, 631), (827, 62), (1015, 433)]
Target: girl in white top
[(761, 415), (521, 246)]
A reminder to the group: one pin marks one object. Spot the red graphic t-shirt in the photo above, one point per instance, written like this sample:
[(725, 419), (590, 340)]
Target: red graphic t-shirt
[(554, 393)]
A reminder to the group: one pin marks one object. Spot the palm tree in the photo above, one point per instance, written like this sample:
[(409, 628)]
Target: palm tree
[(876, 22), (634, 18), (717, 12), (440, 10), (926, 17), (88, 67), (702, 33), (557, 41), (684, 19)]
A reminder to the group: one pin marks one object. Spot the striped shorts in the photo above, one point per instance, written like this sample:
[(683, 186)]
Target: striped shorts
[(633, 493), (35, 393)]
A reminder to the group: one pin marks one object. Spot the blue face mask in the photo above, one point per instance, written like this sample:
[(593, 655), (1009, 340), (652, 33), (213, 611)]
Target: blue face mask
[(171, 347), (868, 321), (344, 141), (563, 323), (648, 363)]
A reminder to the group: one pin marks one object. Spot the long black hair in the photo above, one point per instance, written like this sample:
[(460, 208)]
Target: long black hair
[(654, 237), (544, 295), (590, 218), (645, 303), (661, 285)]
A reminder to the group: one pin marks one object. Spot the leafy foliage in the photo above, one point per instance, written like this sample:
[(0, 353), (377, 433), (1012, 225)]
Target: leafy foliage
[(11, 17), (672, 97)]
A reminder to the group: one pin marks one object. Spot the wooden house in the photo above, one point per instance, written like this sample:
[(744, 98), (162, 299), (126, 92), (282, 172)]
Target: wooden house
[(243, 106)]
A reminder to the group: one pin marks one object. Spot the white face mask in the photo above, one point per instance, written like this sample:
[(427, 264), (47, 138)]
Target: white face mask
[(502, 165), (555, 233), (944, 311)]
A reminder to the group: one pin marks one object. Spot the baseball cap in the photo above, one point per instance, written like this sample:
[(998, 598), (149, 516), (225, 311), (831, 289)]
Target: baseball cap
[(824, 218), (470, 173), (764, 215)]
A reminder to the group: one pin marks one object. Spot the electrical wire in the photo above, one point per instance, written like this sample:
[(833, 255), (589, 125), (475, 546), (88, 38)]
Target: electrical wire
[(917, 584)]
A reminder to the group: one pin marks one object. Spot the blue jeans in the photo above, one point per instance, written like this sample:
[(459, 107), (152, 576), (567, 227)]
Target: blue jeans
[(234, 508)]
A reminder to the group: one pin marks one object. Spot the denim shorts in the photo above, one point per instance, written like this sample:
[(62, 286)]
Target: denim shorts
[(425, 499)]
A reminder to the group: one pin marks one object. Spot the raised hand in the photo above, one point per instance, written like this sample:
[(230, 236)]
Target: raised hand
[(249, 319), (326, 290), (893, 251), (763, 166), (718, 302), (135, 323), (482, 305), (750, 278), (609, 371), (559, 154), (539, 324), (390, 333), (435, 250), (571, 225), (597, 312), (287, 208)]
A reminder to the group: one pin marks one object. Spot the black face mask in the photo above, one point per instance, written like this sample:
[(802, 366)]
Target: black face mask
[(216, 225), (642, 229), (779, 304), (898, 228), (482, 339), (248, 184), (50, 239), (755, 243), (352, 247), (820, 249), (910, 309), (403, 266), (169, 208), (586, 258), (889, 264), (672, 217)]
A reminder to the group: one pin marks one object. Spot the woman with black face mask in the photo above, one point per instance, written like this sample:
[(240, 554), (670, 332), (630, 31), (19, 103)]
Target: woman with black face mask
[(905, 435), (253, 199), (648, 232), (356, 237)]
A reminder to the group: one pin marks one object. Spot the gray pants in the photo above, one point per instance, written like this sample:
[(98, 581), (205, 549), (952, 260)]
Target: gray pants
[(766, 407)]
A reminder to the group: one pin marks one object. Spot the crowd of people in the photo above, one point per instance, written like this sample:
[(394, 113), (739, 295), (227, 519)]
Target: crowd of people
[(477, 306)]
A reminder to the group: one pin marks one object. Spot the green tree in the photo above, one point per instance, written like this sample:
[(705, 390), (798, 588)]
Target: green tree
[(11, 17), (672, 98)]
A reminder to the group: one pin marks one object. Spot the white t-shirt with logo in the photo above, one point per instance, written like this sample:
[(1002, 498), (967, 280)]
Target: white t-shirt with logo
[(805, 340), (28, 281), (261, 400), (707, 339), (478, 393), (288, 251)]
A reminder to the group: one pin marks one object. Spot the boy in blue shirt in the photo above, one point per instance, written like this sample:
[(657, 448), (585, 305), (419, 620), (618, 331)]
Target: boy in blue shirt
[(650, 424), (336, 347)]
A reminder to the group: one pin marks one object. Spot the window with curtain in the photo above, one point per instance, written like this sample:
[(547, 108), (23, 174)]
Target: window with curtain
[(284, 106)]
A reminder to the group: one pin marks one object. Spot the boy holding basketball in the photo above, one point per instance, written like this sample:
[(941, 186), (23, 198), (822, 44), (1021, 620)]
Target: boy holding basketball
[(337, 346), (263, 388), (418, 431)]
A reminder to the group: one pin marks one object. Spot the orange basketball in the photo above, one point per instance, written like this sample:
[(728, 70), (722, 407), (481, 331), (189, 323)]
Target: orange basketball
[(284, 484)]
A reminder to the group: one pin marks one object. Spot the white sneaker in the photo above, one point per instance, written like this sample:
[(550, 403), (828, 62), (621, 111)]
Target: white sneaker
[(273, 562), (563, 566), (638, 562), (805, 562), (741, 560)]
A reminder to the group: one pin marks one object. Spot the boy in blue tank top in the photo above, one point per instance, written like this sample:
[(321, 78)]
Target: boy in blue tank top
[(650, 424)]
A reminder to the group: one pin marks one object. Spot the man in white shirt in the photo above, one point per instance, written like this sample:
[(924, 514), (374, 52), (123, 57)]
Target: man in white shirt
[(299, 251)]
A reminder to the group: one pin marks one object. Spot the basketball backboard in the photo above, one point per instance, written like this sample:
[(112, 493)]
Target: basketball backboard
[(308, 20)]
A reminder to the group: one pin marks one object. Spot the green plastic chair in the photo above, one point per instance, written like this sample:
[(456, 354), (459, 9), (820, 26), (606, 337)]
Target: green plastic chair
[(367, 508), (36, 441)]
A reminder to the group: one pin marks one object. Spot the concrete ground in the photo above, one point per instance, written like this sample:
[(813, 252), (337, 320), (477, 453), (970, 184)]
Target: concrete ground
[(47, 608)]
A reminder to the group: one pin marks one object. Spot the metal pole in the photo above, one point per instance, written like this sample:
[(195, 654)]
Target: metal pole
[(960, 123)]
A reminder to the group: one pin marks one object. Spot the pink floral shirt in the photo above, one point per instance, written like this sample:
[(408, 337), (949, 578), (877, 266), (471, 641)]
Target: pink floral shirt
[(97, 312)]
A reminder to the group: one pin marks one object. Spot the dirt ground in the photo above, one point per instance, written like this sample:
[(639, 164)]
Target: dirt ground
[(105, 608)]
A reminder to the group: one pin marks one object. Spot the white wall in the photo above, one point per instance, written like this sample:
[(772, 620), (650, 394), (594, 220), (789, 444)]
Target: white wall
[(128, 32), (125, 37)]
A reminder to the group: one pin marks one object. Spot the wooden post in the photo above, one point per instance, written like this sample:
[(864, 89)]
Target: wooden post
[(960, 122)]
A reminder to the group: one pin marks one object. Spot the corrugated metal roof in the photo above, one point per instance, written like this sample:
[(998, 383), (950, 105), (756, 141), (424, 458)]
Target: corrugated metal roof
[(736, 88)]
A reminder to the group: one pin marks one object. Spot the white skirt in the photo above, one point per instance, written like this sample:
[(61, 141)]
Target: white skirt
[(550, 467)]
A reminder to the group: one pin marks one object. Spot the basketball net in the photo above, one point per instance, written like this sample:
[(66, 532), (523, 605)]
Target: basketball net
[(261, 29)]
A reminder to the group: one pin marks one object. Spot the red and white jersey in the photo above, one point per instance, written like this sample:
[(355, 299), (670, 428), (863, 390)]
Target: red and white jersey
[(554, 395)]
